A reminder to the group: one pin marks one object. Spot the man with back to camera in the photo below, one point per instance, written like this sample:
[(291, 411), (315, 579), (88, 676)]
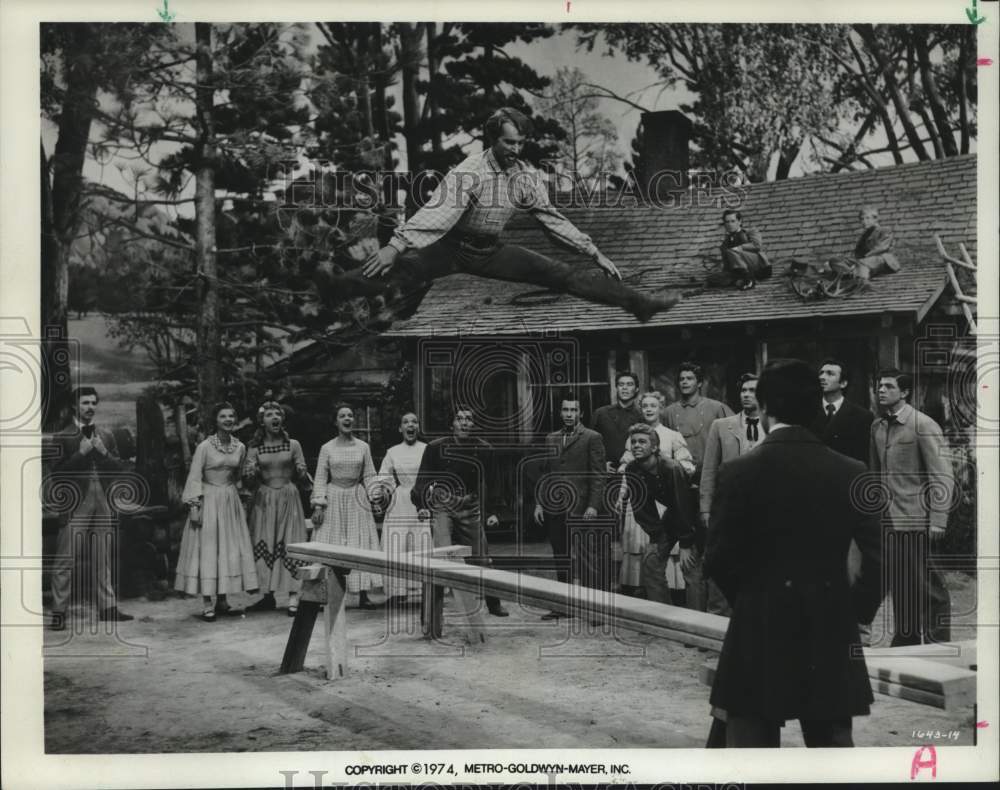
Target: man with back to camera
[(579, 464), (782, 520), (459, 230), (692, 416), (88, 463), (451, 485), (908, 451)]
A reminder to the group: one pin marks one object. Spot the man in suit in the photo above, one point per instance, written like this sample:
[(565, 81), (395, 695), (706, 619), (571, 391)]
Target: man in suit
[(692, 416), (728, 438), (846, 428), (840, 424), (451, 485), (908, 451), (570, 489), (85, 467), (783, 517)]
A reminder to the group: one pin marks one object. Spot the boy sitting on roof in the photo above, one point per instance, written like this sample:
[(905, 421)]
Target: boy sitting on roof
[(873, 253)]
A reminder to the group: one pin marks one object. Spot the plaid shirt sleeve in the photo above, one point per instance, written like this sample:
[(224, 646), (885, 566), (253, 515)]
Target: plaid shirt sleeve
[(556, 225), (442, 211)]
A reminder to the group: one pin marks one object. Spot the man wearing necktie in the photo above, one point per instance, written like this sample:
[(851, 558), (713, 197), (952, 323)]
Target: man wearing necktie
[(845, 427), (909, 453), (569, 492), (839, 423), (81, 475), (728, 438)]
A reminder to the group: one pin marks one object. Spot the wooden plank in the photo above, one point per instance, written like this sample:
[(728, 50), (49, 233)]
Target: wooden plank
[(335, 619), (545, 594), (957, 654), (919, 680)]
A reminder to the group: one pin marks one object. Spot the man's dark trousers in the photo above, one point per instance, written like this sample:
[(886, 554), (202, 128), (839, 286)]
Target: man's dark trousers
[(490, 258), (912, 576), (462, 524), (590, 557)]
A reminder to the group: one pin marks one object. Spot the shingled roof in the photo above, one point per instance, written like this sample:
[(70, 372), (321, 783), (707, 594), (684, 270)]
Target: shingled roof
[(654, 247)]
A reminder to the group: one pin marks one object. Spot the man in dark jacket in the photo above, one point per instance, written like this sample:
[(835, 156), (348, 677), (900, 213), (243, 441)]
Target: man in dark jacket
[(658, 490), (781, 523), (570, 491), (451, 485), (742, 250), (842, 425), (846, 428), (85, 467)]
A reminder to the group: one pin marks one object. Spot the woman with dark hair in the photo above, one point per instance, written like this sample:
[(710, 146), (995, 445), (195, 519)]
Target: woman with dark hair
[(215, 555), (341, 505), (274, 463)]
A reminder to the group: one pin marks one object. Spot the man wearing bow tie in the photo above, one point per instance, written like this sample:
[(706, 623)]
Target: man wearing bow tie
[(728, 438), (569, 492), (909, 452), (86, 464)]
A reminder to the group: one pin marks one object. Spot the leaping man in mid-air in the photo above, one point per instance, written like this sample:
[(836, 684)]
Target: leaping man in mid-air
[(459, 229)]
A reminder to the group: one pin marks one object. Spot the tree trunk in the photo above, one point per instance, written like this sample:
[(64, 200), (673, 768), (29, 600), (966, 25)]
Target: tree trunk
[(432, 67), (209, 340), (963, 94), (867, 33), (61, 216), (933, 96), (410, 57), (380, 108)]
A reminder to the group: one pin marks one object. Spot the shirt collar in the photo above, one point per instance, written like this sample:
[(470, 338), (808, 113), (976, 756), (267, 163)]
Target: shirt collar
[(744, 417), (903, 412), (494, 165), (695, 400), (836, 404), (80, 424)]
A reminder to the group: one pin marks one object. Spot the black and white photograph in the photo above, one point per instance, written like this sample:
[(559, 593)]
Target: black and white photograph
[(548, 397)]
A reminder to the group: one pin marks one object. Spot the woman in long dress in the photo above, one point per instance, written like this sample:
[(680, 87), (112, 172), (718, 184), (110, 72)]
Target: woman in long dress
[(274, 463), (341, 505), (634, 539), (405, 529), (215, 555)]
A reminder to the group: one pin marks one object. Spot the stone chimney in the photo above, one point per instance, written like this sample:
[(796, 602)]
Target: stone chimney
[(666, 135)]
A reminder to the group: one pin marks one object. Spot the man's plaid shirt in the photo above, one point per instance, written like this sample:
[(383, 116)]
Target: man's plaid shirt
[(478, 198)]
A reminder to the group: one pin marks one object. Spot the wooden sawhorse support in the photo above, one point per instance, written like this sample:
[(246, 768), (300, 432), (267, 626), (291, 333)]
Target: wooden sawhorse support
[(334, 621), (432, 606), (335, 618)]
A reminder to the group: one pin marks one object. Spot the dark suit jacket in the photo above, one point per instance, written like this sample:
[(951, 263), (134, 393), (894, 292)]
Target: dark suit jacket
[(782, 520), (456, 469), (579, 463), (70, 467), (848, 432)]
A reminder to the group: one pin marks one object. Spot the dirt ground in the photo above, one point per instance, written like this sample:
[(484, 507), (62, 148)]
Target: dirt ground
[(167, 682)]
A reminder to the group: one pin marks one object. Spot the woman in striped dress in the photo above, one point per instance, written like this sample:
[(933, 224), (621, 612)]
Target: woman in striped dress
[(341, 506)]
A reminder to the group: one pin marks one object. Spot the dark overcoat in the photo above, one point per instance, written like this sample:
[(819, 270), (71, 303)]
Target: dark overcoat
[(782, 520)]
